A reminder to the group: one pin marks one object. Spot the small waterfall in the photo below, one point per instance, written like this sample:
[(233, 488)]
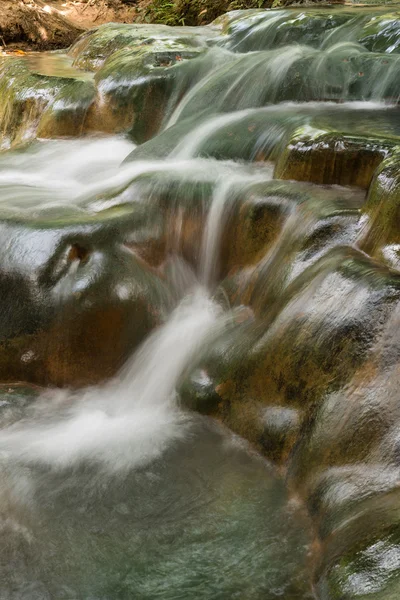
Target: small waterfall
[(217, 57), (252, 164), (130, 421), (192, 143), (225, 193), (258, 32), (213, 230)]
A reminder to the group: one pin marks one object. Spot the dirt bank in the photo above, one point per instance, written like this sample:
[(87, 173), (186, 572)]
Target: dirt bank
[(50, 24)]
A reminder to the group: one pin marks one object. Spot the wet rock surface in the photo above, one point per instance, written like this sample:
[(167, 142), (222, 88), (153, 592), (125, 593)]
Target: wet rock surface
[(267, 169), (76, 302)]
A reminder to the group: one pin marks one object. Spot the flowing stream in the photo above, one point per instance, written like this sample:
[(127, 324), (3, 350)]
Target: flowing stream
[(223, 243), (115, 491)]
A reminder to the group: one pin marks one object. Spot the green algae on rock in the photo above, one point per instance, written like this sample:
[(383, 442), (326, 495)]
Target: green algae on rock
[(146, 69), (93, 48), (144, 85), (135, 75), (328, 158), (265, 182), (34, 103)]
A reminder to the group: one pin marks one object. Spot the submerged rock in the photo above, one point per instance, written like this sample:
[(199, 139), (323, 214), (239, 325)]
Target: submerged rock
[(264, 230), (143, 72), (67, 115), (137, 88), (261, 30), (312, 340), (316, 391)]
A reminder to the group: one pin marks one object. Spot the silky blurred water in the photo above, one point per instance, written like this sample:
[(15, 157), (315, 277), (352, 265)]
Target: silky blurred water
[(116, 492)]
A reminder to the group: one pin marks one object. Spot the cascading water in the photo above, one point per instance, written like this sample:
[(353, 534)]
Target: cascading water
[(219, 238), (127, 447), (127, 423)]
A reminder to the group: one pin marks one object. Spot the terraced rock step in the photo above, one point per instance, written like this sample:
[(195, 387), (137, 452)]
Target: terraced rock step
[(338, 55), (257, 158)]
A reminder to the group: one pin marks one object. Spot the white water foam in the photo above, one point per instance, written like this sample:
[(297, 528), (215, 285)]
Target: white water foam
[(128, 422)]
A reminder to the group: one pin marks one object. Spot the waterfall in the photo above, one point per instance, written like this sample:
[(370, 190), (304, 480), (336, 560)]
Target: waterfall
[(200, 292), (223, 197), (212, 235), (131, 420), (128, 422)]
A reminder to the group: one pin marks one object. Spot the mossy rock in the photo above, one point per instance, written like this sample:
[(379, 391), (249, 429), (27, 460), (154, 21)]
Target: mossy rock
[(261, 213), (346, 72), (353, 503), (296, 354), (24, 96), (234, 20), (312, 221), (139, 76), (343, 462), (380, 33), (138, 88), (254, 214), (360, 554), (365, 571), (237, 84), (344, 465), (332, 158), (261, 134), (255, 136), (377, 31), (67, 115), (305, 353), (143, 69), (135, 90), (94, 47), (170, 192), (36, 104)]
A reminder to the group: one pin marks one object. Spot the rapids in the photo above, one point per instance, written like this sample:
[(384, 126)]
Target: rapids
[(200, 291)]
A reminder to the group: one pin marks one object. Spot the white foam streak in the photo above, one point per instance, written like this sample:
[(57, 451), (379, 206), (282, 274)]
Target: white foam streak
[(213, 232), (192, 143), (217, 218), (128, 422)]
